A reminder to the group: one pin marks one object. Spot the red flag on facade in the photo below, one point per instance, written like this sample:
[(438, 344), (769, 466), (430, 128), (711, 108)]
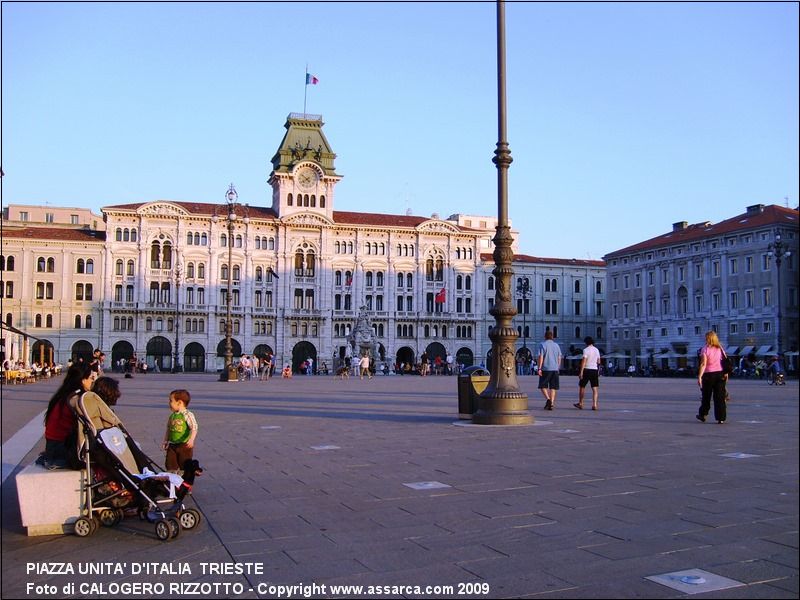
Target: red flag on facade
[(349, 281), (440, 297)]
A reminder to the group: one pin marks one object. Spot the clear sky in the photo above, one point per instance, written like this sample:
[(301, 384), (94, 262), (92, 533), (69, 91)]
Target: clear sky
[(622, 118)]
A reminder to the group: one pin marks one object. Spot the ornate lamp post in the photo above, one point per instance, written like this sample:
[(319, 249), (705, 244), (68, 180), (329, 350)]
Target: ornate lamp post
[(232, 199), (778, 249), (177, 274), (502, 402)]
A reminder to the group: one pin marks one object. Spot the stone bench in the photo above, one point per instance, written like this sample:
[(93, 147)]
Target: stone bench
[(49, 501)]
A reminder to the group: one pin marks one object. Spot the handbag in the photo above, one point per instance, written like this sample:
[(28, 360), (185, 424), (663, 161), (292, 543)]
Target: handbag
[(726, 363)]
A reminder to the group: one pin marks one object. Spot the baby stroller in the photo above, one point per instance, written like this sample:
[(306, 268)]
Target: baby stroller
[(119, 477)]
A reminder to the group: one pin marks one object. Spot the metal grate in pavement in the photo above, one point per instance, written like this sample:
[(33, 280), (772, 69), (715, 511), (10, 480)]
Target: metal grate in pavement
[(695, 581)]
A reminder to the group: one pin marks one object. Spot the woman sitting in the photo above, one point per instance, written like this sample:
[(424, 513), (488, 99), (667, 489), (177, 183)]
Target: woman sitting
[(60, 423)]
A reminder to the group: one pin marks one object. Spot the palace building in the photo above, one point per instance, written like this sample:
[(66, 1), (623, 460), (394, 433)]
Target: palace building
[(666, 292), (155, 278)]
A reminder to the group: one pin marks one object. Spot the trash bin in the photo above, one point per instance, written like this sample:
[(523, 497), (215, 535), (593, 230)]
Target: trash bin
[(471, 382)]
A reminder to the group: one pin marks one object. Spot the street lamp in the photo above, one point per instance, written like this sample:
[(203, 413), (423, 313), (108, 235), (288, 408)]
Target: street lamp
[(523, 291), (176, 274), (502, 402), (778, 249), (232, 200)]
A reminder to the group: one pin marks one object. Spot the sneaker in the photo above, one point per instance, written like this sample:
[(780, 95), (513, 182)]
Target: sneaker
[(721, 422), (548, 405), (700, 418)]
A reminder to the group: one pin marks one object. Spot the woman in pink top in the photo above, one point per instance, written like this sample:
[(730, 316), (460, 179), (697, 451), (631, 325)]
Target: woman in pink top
[(711, 379)]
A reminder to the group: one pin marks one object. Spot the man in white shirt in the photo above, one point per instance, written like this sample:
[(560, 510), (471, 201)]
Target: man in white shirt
[(364, 365), (589, 373)]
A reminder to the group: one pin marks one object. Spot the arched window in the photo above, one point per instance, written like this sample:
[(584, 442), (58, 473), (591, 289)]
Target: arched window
[(289, 200), (546, 285), (118, 267), (598, 287), (409, 280), (196, 239), (89, 322), (40, 264), (81, 268), (310, 263), (155, 256), (77, 321), (459, 282), (236, 273), (134, 235), (439, 270), (118, 235), (90, 266), (223, 274), (313, 201), (369, 278), (379, 279), (37, 321), (578, 333), (555, 289), (223, 240), (131, 268), (10, 263), (190, 271), (337, 277), (429, 270), (577, 286), (298, 263), (322, 201), (259, 274), (491, 283), (189, 239), (167, 256), (468, 282), (204, 239), (126, 235), (201, 271), (51, 265), (238, 241)]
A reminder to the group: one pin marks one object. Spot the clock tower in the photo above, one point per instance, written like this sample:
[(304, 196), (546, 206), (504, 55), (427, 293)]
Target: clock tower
[(303, 176)]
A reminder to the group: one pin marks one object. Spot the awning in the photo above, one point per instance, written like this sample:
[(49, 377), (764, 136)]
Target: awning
[(765, 351), (574, 357), (616, 355), (732, 350), (746, 350)]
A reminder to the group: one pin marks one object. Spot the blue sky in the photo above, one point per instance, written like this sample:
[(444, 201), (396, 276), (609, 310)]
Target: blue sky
[(622, 118)]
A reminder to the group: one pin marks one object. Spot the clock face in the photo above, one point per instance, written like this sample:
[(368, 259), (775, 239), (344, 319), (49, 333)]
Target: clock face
[(306, 177)]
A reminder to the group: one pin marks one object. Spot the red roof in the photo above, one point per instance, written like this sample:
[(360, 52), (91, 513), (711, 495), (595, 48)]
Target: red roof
[(54, 233), (770, 215), (538, 260)]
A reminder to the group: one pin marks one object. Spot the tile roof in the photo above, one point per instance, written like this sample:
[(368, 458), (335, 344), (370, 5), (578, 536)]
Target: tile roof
[(198, 208), (54, 233), (539, 260), (770, 215)]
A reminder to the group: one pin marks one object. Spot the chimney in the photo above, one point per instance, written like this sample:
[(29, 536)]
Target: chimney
[(680, 226), (755, 209)]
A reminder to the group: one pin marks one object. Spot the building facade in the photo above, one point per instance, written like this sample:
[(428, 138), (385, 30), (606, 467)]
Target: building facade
[(300, 274), (666, 292)]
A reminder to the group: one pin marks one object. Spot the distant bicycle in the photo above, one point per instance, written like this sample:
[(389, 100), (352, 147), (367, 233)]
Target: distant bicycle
[(776, 379)]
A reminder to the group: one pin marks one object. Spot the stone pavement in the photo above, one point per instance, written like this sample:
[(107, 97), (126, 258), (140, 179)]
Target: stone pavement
[(307, 479)]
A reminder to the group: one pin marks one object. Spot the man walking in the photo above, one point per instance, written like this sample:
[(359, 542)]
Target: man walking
[(549, 362), (589, 373)]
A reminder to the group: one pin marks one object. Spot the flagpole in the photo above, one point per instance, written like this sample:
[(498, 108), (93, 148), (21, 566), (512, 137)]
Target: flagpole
[(305, 92)]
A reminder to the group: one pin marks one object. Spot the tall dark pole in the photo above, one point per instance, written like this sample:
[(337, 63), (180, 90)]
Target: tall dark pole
[(176, 366), (228, 371), (502, 402), (778, 249)]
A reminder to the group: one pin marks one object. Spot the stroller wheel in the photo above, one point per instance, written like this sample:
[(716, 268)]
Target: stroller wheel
[(84, 526), (189, 518), (108, 518), (174, 526), (163, 530)]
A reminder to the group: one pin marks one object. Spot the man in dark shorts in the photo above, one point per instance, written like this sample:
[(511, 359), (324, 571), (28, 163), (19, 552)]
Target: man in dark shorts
[(589, 373), (549, 362)]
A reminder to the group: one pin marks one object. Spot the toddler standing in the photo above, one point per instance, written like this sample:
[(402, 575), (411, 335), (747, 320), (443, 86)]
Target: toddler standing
[(181, 432)]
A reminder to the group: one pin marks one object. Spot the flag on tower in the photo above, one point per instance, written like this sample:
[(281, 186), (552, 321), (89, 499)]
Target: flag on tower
[(311, 80), (440, 297)]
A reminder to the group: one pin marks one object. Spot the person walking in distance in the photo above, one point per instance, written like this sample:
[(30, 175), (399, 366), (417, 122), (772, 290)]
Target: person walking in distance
[(588, 373), (712, 380), (549, 362), (364, 364)]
